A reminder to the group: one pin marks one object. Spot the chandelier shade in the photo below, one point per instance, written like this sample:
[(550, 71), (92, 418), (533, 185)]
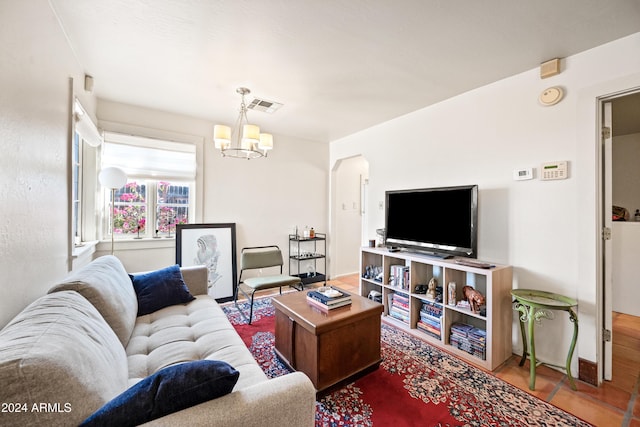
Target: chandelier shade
[(221, 136), (266, 141), (244, 141)]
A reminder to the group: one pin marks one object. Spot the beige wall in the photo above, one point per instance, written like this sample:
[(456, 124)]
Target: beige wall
[(34, 134)]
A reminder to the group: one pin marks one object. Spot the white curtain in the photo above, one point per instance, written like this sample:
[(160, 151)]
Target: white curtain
[(148, 157)]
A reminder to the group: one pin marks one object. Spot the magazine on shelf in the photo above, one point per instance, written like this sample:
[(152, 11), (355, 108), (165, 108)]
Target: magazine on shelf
[(469, 338)]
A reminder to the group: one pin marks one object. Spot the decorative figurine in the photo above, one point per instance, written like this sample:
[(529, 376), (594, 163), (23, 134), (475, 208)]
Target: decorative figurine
[(475, 298), (431, 291), (451, 293)]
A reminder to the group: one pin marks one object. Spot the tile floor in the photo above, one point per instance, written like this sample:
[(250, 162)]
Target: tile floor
[(614, 403)]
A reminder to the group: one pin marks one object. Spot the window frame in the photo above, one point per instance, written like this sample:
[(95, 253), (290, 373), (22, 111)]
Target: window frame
[(99, 210), (151, 206), (76, 189)]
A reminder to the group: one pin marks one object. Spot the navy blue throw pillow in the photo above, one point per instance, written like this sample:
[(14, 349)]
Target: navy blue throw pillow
[(159, 289), (169, 390)]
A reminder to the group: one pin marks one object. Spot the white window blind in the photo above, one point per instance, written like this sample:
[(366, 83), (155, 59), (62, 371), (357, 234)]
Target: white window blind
[(149, 157)]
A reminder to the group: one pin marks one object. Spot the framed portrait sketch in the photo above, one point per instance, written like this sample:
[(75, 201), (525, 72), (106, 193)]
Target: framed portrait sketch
[(213, 245)]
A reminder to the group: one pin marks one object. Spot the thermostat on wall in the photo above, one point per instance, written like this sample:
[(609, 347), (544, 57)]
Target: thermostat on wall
[(554, 170), (523, 174)]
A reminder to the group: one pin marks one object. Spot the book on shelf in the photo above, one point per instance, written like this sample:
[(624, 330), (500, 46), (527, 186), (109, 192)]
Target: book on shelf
[(431, 309), (325, 307), (399, 307), (402, 298), (338, 296), (463, 305), (465, 345), (468, 338), (430, 320), (430, 317), (399, 303), (430, 329), (461, 329), (399, 314), (399, 276)]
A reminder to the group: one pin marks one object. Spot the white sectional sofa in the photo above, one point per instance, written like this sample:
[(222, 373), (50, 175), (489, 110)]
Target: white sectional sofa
[(83, 344)]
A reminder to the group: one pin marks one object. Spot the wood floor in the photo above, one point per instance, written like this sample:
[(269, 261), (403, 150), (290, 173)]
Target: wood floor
[(614, 403)]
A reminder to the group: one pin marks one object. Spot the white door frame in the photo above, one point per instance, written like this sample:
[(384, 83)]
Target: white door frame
[(606, 132), (605, 188)]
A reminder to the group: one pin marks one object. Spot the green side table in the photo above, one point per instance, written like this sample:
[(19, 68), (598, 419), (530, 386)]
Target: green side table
[(536, 305)]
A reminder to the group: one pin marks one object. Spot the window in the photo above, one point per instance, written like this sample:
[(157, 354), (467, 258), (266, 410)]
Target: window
[(134, 211), (130, 212), (76, 189), (84, 142), (172, 204), (160, 186)]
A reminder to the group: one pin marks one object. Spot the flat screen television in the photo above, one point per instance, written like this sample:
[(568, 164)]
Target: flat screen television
[(442, 221)]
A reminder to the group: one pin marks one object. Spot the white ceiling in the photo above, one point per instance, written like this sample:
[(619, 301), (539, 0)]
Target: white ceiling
[(337, 66)]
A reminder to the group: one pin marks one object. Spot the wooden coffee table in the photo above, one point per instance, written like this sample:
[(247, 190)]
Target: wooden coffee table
[(330, 347)]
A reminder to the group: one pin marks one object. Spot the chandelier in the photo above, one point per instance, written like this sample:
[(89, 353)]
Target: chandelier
[(246, 141)]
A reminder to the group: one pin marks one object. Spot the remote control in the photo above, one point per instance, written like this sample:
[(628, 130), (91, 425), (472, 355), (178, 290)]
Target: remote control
[(474, 263)]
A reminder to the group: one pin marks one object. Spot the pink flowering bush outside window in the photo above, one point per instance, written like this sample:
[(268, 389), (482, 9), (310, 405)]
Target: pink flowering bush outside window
[(173, 206), (130, 209), (131, 214)]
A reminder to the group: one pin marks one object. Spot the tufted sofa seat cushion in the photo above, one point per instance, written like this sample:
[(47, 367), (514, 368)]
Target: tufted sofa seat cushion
[(181, 333)]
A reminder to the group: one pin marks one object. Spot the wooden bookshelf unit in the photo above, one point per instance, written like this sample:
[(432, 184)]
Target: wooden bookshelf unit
[(399, 273)]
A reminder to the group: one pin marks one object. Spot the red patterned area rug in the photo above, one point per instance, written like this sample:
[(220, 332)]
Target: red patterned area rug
[(416, 385)]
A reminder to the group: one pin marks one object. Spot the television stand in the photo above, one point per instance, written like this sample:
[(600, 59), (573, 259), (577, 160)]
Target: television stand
[(483, 338)]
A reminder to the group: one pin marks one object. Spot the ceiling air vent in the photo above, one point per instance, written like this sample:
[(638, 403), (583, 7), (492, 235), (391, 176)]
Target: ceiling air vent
[(264, 105)]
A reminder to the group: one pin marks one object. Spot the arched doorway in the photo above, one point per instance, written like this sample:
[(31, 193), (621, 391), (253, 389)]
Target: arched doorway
[(348, 216)]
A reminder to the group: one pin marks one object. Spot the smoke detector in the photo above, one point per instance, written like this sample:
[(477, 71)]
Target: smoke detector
[(551, 96), (263, 105)]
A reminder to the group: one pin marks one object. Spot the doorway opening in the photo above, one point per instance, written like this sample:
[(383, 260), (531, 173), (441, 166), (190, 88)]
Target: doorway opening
[(620, 150), (348, 214)]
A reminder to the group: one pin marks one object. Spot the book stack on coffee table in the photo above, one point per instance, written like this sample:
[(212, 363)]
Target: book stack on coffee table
[(328, 298)]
